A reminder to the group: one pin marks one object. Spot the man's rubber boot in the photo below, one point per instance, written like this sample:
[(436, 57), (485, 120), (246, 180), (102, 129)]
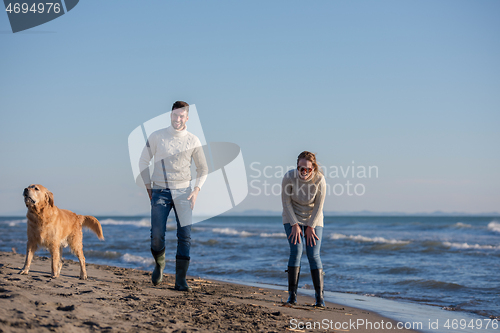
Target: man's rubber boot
[(181, 267), (317, 277), (293, 283), (157, 275)]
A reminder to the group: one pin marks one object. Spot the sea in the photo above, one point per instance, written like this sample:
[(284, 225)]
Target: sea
[(450, 262)]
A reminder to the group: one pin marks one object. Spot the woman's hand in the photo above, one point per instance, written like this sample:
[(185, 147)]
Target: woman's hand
[(310, 236), (296, 233)]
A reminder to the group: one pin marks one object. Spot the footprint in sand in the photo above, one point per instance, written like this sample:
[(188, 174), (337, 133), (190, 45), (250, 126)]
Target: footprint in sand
[(66, 308), (84, 292)]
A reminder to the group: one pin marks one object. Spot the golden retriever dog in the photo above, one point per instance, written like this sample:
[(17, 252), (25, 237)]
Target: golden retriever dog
[(54, 229)]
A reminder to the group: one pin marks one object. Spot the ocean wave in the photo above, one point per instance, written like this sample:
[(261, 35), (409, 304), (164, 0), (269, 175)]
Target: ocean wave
[(361, 238), (103, 254), (401, 270), (431, 284), (462, 225), (273, 235), (209, 242), (145, 222), (232, 232), (432, 247), (130, 258), (466, 246), (391, 247), (494, 226), (13, 223)]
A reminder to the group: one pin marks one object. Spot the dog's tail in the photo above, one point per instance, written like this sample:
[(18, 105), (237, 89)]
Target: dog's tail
[(93, 224)]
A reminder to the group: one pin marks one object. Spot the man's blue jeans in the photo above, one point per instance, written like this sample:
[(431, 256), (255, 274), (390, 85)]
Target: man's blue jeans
[(162, 203), (297, 249)]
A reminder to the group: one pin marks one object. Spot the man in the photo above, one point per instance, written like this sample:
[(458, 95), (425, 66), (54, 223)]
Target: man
[(173, 149)]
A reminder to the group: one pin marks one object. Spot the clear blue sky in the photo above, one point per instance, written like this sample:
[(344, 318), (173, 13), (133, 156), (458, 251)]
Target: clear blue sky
[(411, 87)]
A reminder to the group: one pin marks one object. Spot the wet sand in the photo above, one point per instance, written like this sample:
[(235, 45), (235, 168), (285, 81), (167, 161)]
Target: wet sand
[(117, 299)]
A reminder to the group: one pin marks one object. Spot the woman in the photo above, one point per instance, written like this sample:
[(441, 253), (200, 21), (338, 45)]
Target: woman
[(303, 194)]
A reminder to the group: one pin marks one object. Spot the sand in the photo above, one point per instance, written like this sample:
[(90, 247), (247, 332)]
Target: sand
[(117, 299)]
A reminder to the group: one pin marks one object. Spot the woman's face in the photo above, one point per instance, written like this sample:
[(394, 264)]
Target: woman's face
[(305, 168)]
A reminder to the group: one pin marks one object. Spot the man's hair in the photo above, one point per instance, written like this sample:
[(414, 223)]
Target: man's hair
[(180, 105)]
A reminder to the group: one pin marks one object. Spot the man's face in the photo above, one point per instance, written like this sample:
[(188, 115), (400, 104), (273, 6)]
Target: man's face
[(178, 118)]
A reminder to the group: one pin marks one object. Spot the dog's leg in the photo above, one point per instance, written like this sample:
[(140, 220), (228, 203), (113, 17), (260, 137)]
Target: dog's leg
[(81, 258), (30, 251), (56, 260), (75, 242), (60, 260)]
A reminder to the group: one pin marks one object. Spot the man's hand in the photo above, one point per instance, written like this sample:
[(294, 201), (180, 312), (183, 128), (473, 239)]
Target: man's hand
[(296, 233), (150, 193), (310, 236), (193, 196)]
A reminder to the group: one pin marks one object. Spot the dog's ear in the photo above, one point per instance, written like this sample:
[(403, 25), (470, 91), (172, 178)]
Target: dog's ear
[(50, 198)]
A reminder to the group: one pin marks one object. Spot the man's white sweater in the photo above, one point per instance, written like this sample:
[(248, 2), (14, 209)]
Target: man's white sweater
[(173, 152)]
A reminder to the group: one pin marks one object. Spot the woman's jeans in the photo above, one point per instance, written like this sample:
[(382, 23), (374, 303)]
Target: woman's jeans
[(297, 249), (162, 202)]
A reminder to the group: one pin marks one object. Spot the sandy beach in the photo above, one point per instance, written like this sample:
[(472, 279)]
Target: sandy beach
[(117, 299)]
